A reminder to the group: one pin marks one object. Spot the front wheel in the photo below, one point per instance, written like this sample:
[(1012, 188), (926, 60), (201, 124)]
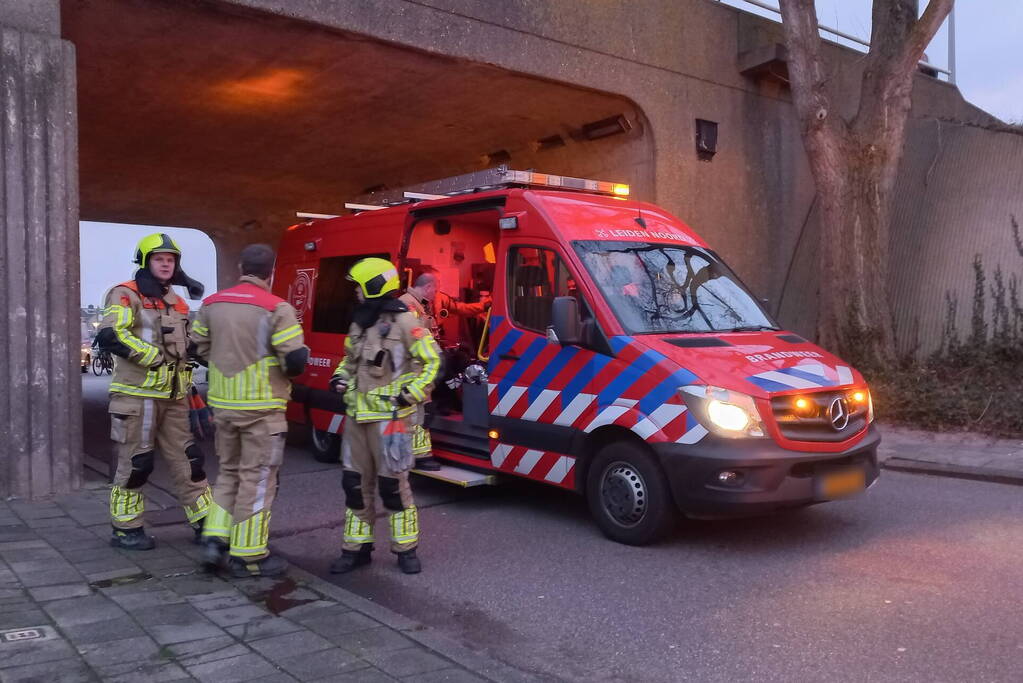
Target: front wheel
[(326, 447), (97, 366), (628, 495)]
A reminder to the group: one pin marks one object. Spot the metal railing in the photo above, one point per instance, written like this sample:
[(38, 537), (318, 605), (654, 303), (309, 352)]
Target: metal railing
[(950, 71)]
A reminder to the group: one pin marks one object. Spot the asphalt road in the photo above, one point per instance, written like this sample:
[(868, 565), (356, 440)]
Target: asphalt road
[(921, 579)]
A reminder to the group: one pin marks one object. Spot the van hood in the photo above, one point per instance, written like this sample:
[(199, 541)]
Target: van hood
[(755, 363)]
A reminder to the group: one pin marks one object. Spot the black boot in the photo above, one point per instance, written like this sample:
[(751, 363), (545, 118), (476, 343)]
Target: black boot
[(352, 559), (428, 464), (271, 565), (197, 530), (132, 539), (409, 563), (214, 552)]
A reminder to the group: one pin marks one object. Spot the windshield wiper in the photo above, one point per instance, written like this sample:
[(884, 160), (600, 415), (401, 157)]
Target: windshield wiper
[(752, 328)]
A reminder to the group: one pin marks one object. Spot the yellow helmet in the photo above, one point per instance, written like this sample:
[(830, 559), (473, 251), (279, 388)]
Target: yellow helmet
[(375, 276), (155, 244)]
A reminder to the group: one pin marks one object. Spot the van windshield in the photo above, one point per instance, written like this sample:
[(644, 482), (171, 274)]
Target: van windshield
[(660, 288)]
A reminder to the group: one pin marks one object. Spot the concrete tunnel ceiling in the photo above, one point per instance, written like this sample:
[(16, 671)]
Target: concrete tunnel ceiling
[(201, 114)]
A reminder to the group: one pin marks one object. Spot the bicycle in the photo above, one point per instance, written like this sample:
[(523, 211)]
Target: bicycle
[(102, 362)]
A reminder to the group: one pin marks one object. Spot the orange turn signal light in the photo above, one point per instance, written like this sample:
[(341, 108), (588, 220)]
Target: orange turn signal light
[(493, 434)]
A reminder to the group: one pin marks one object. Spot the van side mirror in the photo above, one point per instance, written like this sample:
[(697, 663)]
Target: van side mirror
[(565, 324)]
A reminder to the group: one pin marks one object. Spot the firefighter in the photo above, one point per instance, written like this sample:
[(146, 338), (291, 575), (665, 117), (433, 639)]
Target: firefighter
[(431, 305), (253, 343), (145, 326), (388, 369)]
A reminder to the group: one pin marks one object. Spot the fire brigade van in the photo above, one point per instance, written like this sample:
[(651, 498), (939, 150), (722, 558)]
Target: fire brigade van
[(620, 358)]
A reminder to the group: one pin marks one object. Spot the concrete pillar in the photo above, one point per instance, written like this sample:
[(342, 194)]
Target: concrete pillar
[(40, 404)]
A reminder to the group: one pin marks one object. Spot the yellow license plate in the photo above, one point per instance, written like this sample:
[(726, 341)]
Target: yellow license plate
[(842, 484)]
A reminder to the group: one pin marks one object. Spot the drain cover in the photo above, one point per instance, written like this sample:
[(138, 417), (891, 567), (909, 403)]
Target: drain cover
[(23, 634)]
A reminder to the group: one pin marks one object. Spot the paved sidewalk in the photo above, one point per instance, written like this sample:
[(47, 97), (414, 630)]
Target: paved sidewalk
[(74, 609), (964, 455)]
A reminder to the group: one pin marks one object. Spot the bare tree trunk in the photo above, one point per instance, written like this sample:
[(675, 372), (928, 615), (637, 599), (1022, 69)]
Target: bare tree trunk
[(854, 165)]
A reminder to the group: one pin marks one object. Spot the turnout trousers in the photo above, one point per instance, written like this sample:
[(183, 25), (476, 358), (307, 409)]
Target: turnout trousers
[(368, 473), (250, 447), (141, 428)]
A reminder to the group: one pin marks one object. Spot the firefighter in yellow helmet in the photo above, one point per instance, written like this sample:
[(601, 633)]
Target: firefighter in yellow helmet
[(388, 369), (145, 326)]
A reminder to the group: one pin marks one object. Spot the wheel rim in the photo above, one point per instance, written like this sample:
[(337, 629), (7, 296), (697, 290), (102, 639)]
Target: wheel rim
[(321, 440), (623, 494)]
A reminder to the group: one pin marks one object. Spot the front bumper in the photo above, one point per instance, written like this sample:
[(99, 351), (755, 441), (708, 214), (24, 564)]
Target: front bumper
[(773, 478)]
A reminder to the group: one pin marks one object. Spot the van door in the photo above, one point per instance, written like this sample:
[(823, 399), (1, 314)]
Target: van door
[(536, 387)]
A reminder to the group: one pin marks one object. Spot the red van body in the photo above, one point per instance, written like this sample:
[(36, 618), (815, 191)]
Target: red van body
[(621, 357)]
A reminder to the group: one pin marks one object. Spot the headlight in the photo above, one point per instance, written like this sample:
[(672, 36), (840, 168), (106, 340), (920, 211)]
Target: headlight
[(726, 413)]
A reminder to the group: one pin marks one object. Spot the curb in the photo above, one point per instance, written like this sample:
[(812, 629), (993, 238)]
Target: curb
[(940, 469), (468, 659)]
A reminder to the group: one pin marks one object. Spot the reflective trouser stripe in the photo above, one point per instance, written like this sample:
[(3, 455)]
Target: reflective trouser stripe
[(200, 508), (248, 538), (218, 522), (421, 440), (126, 505), (405, 525), (356, 530)]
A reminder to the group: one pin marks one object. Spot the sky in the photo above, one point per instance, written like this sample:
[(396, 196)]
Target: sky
[(989, 73), (107, 251)]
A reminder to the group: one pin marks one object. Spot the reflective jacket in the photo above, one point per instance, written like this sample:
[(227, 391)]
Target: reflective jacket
[(249, 336), (396, 356), (151, 337)]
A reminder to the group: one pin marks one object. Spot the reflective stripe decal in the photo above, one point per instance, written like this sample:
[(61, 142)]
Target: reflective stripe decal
[(356, 530), (126, 505), (218, 522), (286, 334), (405, 525), (249, 537), (200, 508)]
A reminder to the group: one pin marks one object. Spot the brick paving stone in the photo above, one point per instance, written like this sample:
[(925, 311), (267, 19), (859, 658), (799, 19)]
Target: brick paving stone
[(84, 610), (50, 523), (7, 547), (263, 628), (373, 640), (369, 675), (314, 665), (11, 593), (15, 533), (162, 672), (66, 671), (17, 604), (279, 677), (85, 554), (179, 614), (233, 616), (315, 610), (120, 656), (198, 584), (153, 598), (288, 645), (103, 631), (410, 662), (340, 624), (446, 676), (60, 591), (22, 618), (211, 603), (36, 510), (25, 567), (29, 554), (207, 650), (51, 578), (243, 668), (104, 564), (165, 563), (34, 652)]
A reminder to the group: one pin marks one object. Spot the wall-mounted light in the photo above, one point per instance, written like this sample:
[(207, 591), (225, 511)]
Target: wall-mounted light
[(706, 139), (548, 143), (613, 125), (501, 156)]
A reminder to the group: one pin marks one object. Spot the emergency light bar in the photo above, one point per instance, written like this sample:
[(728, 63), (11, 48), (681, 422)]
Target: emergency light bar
[(489, 179)]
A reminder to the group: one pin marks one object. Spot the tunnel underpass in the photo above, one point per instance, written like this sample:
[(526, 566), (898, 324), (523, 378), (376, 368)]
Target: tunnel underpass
[(211, 116)]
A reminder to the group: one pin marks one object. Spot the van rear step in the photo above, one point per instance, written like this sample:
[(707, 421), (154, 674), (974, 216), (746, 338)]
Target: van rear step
[(460, 476)]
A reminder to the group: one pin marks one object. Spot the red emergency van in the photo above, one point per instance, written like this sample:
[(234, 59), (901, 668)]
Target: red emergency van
[(621, 358)]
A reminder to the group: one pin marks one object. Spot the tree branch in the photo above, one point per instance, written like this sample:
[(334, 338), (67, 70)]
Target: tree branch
[(923, 31)]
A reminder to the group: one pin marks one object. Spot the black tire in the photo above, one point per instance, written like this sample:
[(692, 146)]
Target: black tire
[(97, 366), (628, 495), (326, 447)]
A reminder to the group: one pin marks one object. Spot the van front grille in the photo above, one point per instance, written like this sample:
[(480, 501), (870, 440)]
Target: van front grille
[(819, 419)]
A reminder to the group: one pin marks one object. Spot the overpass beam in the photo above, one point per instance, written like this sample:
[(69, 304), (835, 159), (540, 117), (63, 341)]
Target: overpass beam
[(40, 330)]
